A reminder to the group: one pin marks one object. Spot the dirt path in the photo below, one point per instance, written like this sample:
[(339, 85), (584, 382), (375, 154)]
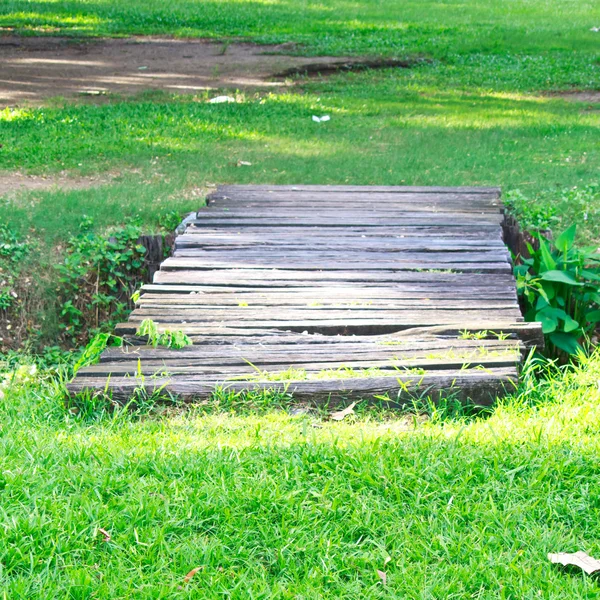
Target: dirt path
[(11, 184), (33, 69)]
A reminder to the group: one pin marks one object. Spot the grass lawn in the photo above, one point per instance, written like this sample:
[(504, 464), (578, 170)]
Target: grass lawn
[(409, 127), (267, 504), (478, 114), (330, 26), (270, 505)]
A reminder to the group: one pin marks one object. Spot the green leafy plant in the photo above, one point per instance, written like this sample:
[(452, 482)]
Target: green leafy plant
[(97, 279), (13, 250), (171, 339), (94, 348), (560, 285), (170, 220)]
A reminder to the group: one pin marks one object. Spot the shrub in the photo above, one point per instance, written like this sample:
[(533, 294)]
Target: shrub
[(97, 278), (559, 286), (13, 251)]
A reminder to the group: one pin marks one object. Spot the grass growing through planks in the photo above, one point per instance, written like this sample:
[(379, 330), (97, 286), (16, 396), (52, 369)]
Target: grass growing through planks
[(270, 505), (342, 372)]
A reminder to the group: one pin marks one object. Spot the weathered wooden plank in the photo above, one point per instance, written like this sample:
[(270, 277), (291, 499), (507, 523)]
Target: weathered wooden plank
[(475, 232), (159, 303), (389, 256), (183, 264), (349, 293), (317, 313), (325, 242), (377, 199), (188, 313), (313, 368), (366, 189), (529, 333), (364, 208), (310, 278), (259, 278), (337, 348), (481, 386), (343, 220)]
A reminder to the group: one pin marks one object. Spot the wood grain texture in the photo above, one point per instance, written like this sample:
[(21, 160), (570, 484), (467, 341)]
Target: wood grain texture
[(328, 293)]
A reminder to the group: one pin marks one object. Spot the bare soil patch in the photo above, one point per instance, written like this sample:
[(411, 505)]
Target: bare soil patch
[(590, 96), (341, 66), (11, 184), (36, 68)]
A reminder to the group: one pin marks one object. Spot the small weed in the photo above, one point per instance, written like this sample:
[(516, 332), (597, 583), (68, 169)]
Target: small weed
[(170, 339), (94, 348), (169, 221)]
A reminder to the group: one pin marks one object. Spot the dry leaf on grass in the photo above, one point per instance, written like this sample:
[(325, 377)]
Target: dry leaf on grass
[(578, 559), (187, 578), (342, 414), (382, 576), (105, 534), (243, 163)]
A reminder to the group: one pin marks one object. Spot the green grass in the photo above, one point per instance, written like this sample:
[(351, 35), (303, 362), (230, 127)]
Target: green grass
[(475, 115), (267, 504), (379, 26), (270, 506), (407, 127)]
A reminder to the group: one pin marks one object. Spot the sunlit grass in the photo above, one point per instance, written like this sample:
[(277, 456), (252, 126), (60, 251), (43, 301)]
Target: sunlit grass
[(386, 27), (269, 504), (382, 130)]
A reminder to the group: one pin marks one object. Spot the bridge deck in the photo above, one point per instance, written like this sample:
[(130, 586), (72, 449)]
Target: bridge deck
[(332, 292)]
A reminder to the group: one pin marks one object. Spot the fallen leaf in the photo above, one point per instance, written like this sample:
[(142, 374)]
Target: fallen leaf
[(578, 559), (243, 163), (187, 578), (382, 576), (342, 414), (105, 534)]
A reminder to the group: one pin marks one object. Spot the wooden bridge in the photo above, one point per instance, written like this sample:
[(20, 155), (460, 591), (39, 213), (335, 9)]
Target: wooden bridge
[(330, 293)]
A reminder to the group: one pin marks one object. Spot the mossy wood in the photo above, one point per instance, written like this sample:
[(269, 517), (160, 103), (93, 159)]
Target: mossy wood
[(332, 292)]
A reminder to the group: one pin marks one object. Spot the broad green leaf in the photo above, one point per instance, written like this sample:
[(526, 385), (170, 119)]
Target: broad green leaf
[(560, 277), (593, 316), (521, 270), (542, 292), (549, 323), (566, 342), (549, 289), (565, 240), (547, 261), (587, 274), (570, 324), (554, 312)]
